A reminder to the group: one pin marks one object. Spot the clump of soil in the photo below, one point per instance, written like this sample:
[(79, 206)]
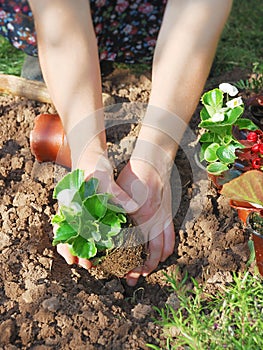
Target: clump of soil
[(127, 255), (47, 304)]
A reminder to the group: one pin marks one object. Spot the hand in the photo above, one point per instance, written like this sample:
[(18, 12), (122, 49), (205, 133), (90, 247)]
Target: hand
[(142, 182), (103, 171)]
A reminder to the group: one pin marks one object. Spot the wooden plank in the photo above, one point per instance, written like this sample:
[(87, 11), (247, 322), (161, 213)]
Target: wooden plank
[(17, 86)]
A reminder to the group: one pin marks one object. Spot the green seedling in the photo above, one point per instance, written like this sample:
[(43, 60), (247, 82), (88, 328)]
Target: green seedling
[(86, 220)]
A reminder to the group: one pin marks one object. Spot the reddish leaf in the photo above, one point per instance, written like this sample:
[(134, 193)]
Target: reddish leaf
[(248, 187)]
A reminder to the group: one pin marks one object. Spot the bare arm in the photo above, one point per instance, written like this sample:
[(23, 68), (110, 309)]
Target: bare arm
[(69, 60), (183, 56)]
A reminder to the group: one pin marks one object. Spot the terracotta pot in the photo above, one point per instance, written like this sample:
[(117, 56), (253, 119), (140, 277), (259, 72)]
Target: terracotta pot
[(257, 239), (48, 142), (214, 180)]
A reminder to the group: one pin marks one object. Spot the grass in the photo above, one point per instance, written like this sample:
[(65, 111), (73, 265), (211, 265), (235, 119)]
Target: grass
[(241, 43), (233, 319), (11, 59)]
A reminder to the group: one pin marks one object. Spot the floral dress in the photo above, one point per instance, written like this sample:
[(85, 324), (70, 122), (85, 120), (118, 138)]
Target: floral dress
[(126, 30)]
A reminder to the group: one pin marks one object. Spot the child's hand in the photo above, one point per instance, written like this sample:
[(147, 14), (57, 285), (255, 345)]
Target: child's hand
[(152, 192)]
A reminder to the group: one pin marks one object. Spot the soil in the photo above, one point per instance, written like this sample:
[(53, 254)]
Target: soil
[(46, 304)]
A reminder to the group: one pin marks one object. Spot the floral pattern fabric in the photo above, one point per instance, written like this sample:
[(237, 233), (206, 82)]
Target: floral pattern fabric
[(126, 30)]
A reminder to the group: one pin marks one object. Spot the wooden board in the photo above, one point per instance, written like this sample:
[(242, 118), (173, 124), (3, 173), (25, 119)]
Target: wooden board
[(17, 86)]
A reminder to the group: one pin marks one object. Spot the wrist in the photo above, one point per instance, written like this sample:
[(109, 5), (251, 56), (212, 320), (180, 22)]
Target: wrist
[(163, 129), (153, 155)]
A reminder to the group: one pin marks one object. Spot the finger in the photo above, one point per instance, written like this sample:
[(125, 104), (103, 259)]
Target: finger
[(155, 253), (64, 251), (86, 264), (133, 276), (169, 241), (123, 199)]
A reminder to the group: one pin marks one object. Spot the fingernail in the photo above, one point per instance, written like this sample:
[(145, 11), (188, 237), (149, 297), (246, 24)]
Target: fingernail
[(131, 282), (131, 206)]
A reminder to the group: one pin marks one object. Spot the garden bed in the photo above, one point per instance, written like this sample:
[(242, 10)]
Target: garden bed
[(46, 304)]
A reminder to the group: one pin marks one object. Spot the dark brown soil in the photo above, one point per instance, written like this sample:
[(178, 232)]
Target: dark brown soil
[(46, 304)]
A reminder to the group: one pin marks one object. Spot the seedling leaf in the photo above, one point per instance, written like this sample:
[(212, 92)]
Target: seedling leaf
[(64, 234), (84, 249), (71, 181)]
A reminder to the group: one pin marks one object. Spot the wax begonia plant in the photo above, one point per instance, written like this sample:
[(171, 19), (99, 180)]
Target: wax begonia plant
[(87, 220), (220, 113)]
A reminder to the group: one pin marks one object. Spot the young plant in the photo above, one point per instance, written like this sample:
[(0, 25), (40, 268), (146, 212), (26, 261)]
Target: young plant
[(86, 220), (218, 117)]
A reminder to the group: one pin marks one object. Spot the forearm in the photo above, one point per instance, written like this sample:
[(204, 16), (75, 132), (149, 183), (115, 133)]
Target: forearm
[(184, 53), (69, 60)]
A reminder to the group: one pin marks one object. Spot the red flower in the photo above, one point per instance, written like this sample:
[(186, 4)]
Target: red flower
[(252, 136), (256, 163)]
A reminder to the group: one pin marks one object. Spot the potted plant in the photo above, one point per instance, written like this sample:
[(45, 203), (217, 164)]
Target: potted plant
[(232, 147), (219, 115)]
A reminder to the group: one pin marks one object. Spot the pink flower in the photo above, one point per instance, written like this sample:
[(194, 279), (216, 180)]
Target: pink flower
[(3, 14), (146, 8), (31, 40), (121, 6), (17, 8), (100, 3), (151, 41), (111, 56), (98, 28), (103, 55)]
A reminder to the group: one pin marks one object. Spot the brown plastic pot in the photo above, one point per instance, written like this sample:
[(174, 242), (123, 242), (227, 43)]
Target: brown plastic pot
[(257, 239), (214, 180), (48, 142)]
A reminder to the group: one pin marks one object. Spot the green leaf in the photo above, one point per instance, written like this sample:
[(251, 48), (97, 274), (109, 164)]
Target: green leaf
[(58, 218), (116, 208), (209, 137), (213, 98), (72, 181), (96, 205), (210, 152), (226, 154), (202, 151), (245, 123), (89, 188), (233, 115), (204, 115), (213, 101), (72, 217), (105, 244), (227, 139), (216, 168), (64, 234), (89, 229), (112, 223), (84, 249)]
